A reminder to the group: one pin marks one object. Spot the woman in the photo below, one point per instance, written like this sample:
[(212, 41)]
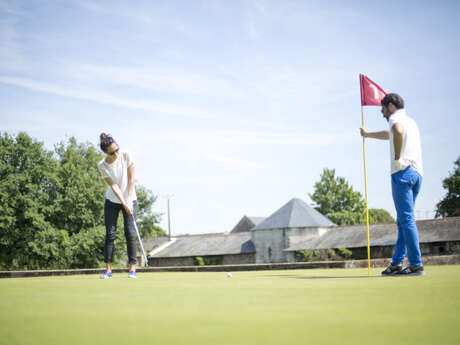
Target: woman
[(117, 169)]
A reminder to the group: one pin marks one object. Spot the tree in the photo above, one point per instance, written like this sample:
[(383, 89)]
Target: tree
[(379, 215), (449, 206), (79, 203), (147, 220), (334, 194), (49, 249), (27, 193), (52, 206), (335, 198), (87, 248), (347, 218), (352, 218)]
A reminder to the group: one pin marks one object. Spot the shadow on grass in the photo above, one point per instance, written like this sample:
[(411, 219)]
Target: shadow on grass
[(322, 277)]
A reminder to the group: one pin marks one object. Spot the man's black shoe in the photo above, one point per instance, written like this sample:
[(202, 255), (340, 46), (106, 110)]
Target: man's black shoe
[(412, 271), (392, 270)]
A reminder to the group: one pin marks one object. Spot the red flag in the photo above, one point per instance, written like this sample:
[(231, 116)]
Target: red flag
[(371, 93)]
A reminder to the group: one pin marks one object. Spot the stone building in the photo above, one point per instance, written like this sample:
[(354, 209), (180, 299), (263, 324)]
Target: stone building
[(226, 249), (297, 227), (292, 223), (246, 224), (437, 237)]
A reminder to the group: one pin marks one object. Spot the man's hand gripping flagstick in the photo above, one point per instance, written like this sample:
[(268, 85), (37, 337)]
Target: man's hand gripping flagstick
[(371, 94)]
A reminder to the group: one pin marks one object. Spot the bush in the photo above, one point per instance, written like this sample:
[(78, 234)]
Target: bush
[(88, 248), (198, 261), (207, 260), (344, 253), (50, 249), (306, 255)]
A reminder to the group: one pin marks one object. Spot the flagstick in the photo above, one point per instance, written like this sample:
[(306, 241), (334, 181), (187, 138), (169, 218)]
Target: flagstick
[(365, 188)]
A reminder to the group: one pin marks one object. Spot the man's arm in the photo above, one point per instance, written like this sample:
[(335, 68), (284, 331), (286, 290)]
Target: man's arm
[(382, 135), (397, 131)]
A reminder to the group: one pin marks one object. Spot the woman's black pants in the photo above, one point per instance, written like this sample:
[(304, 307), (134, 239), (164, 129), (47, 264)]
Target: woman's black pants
[(111, 212)]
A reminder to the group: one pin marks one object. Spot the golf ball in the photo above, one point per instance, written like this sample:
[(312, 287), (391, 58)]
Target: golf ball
[(229, 275)]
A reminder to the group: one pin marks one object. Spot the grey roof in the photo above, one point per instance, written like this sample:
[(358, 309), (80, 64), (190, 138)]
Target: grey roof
[(432, 230), (202, 245), (247, 223), (295, 214), (257, 220), (150, 244)]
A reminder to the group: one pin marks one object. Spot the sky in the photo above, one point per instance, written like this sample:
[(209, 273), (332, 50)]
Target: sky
[(232, 108)]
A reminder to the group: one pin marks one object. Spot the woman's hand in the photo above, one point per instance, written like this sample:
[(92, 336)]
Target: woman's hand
[(129, 208)]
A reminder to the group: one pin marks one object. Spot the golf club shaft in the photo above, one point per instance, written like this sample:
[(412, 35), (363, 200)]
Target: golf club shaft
[(140, 241)]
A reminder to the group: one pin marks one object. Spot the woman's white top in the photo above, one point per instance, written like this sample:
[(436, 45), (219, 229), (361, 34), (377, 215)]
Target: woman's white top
[(117, 171)]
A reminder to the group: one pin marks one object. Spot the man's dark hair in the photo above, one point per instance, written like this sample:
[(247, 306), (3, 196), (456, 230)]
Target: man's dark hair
[(394, 98)]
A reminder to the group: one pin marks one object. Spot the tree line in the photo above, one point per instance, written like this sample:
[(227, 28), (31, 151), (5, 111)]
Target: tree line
[(52, 206), (449, 206), (335, 198)]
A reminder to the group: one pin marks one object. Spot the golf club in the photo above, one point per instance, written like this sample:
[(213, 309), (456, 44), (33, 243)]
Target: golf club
[(140, 241)]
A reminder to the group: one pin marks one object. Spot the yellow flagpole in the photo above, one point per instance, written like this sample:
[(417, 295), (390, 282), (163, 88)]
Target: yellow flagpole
[(365, 188)]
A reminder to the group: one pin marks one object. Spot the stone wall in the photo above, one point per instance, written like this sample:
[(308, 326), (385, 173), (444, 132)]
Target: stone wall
[(440, 248), (236, 259), (239, 259), (290, 257), (166, 262), (380, 252), (269, 245), (427, 249), (427, 260), (296, 235)]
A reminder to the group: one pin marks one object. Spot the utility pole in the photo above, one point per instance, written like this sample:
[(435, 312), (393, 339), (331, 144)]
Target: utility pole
[(169, 223), (168, 197)]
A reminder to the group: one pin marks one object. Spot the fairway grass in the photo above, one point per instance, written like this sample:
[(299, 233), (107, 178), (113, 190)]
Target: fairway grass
[(334, 306)]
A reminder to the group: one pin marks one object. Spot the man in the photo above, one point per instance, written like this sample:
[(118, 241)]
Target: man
[(406, 179)]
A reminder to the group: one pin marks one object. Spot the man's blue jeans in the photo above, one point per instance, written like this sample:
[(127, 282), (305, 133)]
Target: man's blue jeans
[(405, 186)]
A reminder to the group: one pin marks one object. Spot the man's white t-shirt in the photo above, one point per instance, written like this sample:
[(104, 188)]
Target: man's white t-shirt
[(411, 151), (118, 173)]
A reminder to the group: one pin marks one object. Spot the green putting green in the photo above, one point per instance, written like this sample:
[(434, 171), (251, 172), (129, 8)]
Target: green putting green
[(335, 306)]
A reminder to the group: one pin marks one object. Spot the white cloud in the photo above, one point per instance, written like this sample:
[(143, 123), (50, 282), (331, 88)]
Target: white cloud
[(173, 182), (131, 12), (9, 48), (157, 79), (106, 98), (235, 137), (10, 7), (254, 20), (233, 162)]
